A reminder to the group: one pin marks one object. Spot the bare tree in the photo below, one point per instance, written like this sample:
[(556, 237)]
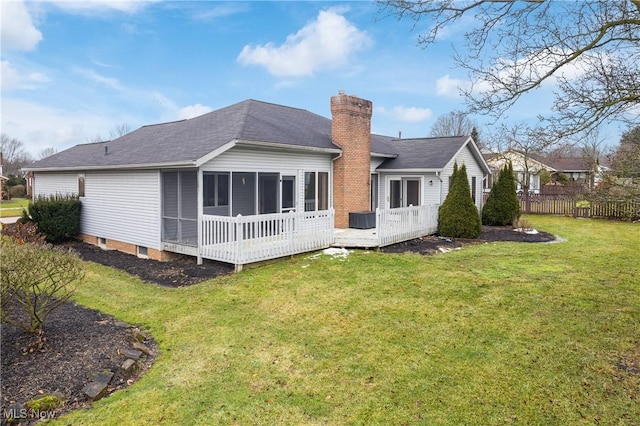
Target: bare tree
[(14, 156), (47, 152), (119, 130), (589, 49), (530, 143), (116, 132), (625, 160), (454, 123)]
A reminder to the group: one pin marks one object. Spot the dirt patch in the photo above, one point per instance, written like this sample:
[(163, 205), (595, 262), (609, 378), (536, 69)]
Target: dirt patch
[(433, 244)]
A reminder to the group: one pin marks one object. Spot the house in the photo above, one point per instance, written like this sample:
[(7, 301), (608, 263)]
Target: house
[(256, 180), (526, 168), (576, 171), (581, 171)]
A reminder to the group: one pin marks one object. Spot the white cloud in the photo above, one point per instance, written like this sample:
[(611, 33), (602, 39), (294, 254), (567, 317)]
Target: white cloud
[(100, 79), (450, 87), (193, 111), (18, 31), (325, 43), (90, 7), (406, 114), (12, 79), (218, 10), (40, 126)]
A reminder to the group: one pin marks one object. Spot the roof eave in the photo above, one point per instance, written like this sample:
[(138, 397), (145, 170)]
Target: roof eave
[(410, 170), (208, 157), (383, 155), (287, 147), (189, 163)]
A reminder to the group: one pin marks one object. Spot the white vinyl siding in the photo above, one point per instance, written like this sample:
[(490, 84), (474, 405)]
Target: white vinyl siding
[(287, 163), (375, 162), (241, 159), (123, 206), (55, 183), (465, 157), (432, 189)]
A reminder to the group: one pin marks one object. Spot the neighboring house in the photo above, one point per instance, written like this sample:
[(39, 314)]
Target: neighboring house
[(524, 167), (217, 185), (578, 170)]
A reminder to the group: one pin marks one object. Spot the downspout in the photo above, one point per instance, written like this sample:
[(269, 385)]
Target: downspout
[(440, 179), (333, 160)]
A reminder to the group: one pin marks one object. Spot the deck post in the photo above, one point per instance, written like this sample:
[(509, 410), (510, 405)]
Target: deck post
[(239, 238)]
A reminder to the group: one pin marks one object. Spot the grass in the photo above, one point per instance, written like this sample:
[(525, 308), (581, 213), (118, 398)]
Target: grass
[(13, 207), (501, 333)]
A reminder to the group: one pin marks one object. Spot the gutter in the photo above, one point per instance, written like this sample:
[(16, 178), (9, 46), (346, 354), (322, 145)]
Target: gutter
[(188, 163)]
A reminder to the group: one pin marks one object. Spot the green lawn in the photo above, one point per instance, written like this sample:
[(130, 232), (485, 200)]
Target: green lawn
[(13, 207), (494, 334)]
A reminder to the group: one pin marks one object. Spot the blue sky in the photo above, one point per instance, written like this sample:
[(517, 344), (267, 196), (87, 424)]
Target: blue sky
[(73, 70)]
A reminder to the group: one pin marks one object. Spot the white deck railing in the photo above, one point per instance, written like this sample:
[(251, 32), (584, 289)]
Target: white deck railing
[(246, 239), (406, 223)]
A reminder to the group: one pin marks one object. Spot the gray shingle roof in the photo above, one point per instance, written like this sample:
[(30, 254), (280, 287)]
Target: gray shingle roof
[(185, 141), (424, 153)]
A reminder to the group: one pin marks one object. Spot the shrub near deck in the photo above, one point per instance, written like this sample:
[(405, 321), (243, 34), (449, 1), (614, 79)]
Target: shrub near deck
[(495, 333)]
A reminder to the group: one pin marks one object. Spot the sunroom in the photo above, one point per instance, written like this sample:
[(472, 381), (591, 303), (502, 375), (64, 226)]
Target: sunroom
[(245, 216)]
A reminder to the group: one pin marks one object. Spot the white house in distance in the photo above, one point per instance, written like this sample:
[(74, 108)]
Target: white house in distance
[(522, 165), (256, 180), (577, 170)]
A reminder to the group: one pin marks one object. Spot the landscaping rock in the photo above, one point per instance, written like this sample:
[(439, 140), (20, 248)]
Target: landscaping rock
[(131, 353), (129, 367), (97, 388), (139, 335), (141, 347)]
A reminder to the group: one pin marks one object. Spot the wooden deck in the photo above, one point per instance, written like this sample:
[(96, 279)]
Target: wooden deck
[(355, 238)]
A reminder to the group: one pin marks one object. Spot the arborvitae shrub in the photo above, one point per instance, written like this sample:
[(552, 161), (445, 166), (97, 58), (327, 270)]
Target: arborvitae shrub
[(458, 216), (502, 207), (57, 216)]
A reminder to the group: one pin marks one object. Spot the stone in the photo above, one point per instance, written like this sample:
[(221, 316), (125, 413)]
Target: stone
[(141, 347), (98, 387), (139, 335), (131, 353), (128, 366)]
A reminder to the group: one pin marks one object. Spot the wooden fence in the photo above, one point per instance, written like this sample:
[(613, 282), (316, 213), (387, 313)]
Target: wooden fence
[(577, 206)]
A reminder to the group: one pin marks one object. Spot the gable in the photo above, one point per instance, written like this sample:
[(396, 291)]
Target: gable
[(432, 154)]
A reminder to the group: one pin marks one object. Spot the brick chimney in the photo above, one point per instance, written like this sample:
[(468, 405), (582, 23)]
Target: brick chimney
[(351, 131)]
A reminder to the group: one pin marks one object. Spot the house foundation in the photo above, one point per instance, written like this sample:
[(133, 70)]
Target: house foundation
[(144, 252)]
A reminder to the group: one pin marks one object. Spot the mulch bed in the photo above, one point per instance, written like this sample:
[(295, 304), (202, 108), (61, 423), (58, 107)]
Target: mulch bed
[(177, 273), (81, 342), (432, 244)]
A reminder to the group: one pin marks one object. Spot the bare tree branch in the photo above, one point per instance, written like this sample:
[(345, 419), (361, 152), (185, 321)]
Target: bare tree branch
[(588, 50)]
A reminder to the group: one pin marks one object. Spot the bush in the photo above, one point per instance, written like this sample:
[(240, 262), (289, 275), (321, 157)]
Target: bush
[(17, 191), (36, 279), (502, 207), (458, 216), (23, 232), (57, 216)]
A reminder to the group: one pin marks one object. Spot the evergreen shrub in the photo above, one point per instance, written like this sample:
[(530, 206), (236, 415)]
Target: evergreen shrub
[(57, 216), (458, 215), (502, 207)]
